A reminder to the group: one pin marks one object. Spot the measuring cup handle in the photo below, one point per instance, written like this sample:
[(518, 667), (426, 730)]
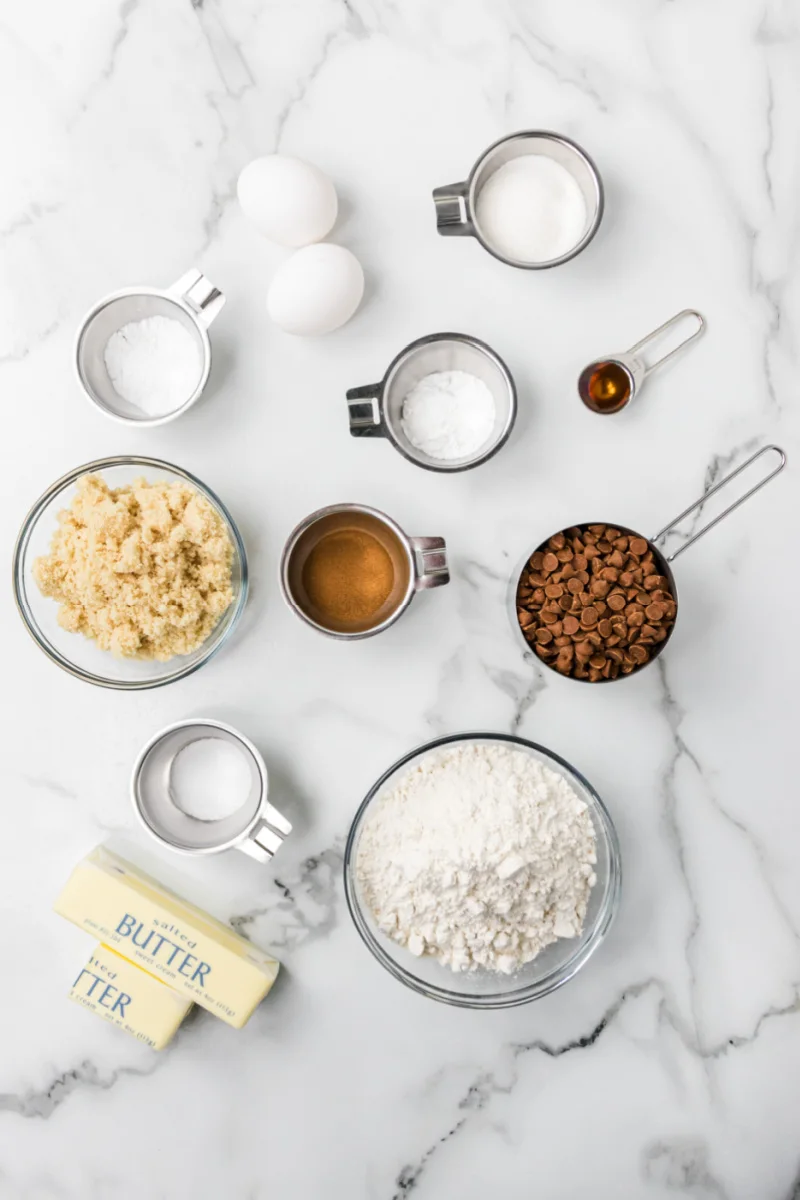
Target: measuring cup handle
[(722, 482), (366, 417), (266, 837), (453, 217), (200, 295), (430, 557)]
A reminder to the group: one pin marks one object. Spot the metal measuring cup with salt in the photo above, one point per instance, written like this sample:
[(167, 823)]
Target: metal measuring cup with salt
[(621, 656)]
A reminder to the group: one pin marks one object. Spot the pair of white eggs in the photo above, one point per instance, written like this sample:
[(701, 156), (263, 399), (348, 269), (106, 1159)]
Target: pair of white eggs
[(294, 204)]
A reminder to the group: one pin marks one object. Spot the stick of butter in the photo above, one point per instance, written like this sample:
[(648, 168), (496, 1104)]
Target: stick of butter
[(130, 998), (181, 944)]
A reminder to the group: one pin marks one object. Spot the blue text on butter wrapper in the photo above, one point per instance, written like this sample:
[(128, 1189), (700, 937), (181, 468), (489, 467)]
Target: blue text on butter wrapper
[(121, 1000), (190, 966)]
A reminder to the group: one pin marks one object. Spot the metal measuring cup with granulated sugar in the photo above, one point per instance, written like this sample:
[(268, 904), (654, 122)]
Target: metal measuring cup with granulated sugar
[(192, 302), (513, 217), (598, 601)]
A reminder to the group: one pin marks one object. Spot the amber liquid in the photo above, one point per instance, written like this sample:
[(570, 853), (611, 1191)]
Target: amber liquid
[(608, 388)]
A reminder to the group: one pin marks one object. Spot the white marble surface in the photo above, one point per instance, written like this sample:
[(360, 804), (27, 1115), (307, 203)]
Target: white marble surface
[(670, 1065)]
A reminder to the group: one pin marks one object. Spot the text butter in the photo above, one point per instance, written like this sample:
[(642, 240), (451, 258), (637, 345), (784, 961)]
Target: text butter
[(181, 944), (130, 998)]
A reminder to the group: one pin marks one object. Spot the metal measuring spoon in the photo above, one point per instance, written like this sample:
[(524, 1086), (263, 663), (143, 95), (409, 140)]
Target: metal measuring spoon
[(608, 385)]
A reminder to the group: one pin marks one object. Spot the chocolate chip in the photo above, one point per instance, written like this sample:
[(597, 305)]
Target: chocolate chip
[(593, 604)]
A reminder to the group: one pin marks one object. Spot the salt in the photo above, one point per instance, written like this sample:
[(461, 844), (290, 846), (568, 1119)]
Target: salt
[(209, 779), (531, 210), (448, 415), (154, 364)]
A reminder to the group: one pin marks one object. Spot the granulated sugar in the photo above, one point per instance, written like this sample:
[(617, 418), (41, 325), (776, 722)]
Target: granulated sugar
[(479, 857)]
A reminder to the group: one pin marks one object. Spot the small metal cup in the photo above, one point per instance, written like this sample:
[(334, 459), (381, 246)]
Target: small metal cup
[(376, 409), (256, 828), (456, 202), (193, 301), (419, 563)]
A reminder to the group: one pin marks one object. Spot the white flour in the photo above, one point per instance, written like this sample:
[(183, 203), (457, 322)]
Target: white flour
[(479, 857), (153, 363), (448, 414)]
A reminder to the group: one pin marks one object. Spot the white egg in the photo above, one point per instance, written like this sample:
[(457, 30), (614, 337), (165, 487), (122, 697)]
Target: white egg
[(316, 290), (288, 200)]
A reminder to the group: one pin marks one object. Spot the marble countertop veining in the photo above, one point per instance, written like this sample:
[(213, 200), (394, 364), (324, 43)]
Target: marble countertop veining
[(670, 1065)]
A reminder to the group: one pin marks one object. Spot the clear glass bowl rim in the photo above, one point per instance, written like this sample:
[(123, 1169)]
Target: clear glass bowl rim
[(515, 996), (28, 525)]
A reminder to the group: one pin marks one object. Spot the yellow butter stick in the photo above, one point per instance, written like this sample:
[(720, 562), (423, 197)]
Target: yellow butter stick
[(130, 998), (148, 924)]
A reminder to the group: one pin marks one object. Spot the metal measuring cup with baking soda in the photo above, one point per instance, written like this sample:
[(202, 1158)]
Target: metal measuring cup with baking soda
[(350, 571), (607, 385), (598, 601)]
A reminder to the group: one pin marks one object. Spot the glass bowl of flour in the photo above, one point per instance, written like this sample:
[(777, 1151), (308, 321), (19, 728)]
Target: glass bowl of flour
[(482, 870)]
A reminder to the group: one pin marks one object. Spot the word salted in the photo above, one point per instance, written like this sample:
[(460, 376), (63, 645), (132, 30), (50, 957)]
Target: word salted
[(131, 999), (200, 957), (195, 970)]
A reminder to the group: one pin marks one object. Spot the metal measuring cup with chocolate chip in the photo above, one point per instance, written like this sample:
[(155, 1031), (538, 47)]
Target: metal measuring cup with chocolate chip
[(598, 601), (594, 603)]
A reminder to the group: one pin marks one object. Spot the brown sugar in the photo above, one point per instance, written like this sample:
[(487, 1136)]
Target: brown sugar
[(348, 576), (144, 570)]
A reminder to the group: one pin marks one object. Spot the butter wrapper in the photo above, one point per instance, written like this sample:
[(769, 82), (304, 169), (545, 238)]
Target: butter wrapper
[(188, 949), (130, 998)]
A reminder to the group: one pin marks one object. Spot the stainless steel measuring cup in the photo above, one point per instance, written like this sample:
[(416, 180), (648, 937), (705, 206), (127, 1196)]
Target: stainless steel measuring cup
[(376, 410), (193, 301), (662, 560), (608, 385), (456, 202), (419, 563), (255, 827)]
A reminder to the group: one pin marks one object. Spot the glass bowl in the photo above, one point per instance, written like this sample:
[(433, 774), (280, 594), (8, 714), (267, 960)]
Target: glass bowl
[(74, 652), (481, 988)]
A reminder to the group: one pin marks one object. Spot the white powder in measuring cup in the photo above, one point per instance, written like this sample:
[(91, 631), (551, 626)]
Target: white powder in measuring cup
[(448, 414), (479, 856), (531, 209), (154, 364), (209, 779)]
